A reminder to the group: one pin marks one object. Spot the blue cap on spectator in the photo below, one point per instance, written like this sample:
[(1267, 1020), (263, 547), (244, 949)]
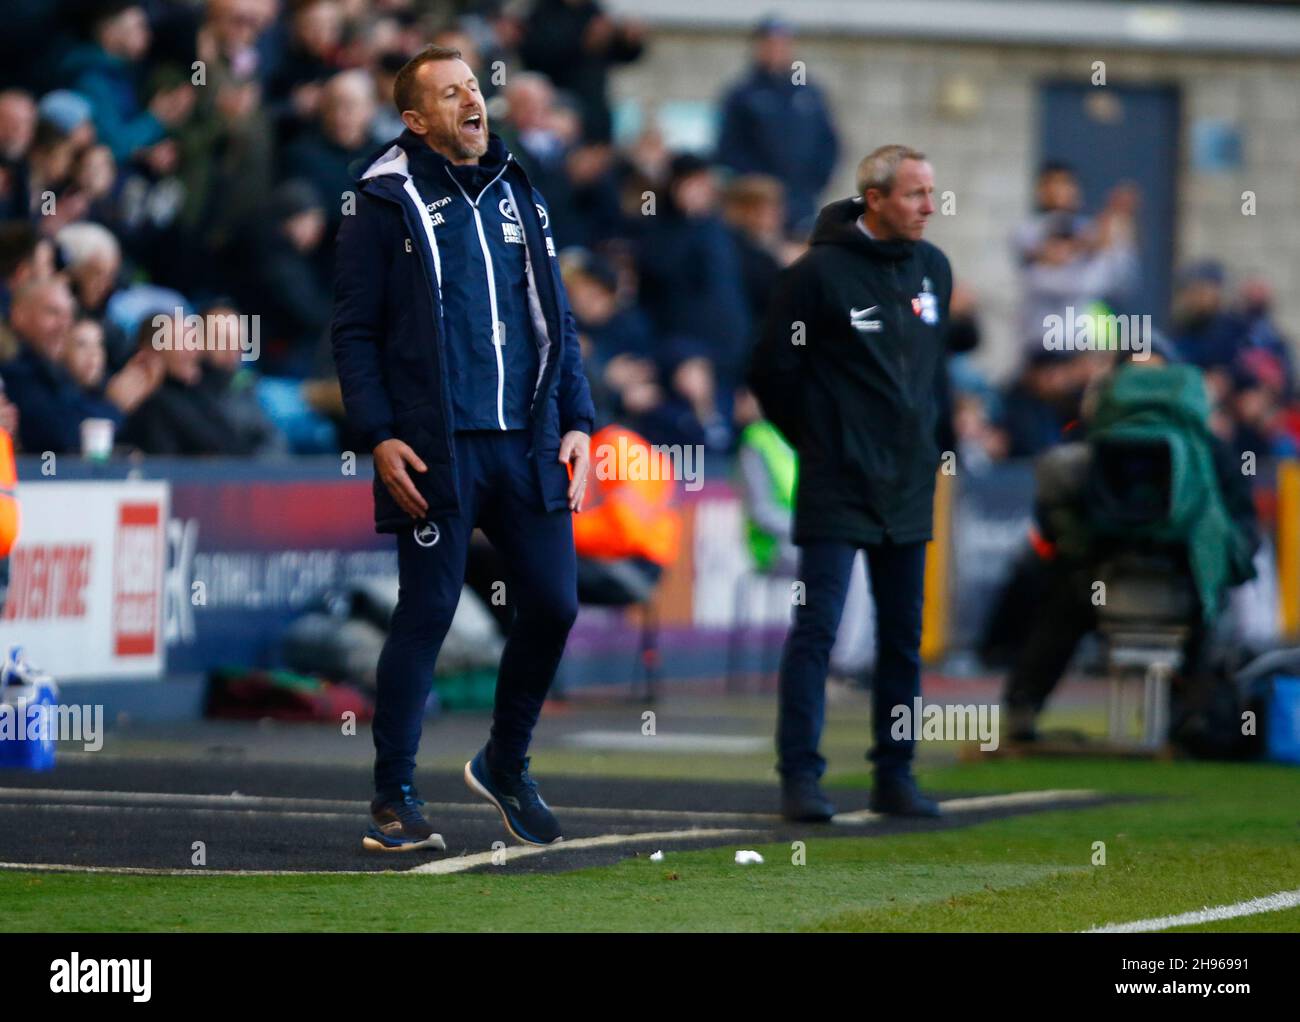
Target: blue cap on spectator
[(1203, 271), (65, 109), (773, 25)]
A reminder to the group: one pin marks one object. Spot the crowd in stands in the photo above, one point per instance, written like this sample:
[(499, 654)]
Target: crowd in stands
[(159, 156), (1074, 268)]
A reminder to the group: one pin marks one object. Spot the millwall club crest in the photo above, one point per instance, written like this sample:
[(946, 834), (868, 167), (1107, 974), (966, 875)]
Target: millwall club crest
[(426, 534), (926, 305)]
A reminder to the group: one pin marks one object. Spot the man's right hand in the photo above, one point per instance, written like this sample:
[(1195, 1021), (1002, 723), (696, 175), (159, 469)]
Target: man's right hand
[(391, 458)]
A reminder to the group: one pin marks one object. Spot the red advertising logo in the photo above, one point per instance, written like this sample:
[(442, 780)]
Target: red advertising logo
[(137, 574), (48, 580)]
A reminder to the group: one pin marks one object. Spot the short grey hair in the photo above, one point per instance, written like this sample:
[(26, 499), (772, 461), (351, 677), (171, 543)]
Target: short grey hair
[(83, 241), (880, 166)]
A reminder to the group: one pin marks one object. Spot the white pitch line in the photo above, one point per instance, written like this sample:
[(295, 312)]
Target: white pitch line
[(511, 852), (1269, 903), (188, 810), (977, 802), (265, 803), (153, 871), (278, 805)]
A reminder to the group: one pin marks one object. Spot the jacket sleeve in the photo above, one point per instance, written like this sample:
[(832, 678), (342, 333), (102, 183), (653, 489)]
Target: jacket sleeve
[(122, 135), (776, 366), (357, 332), (735, 148)]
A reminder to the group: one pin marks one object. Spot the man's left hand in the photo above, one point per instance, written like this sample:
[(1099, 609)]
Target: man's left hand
[(575, 451)]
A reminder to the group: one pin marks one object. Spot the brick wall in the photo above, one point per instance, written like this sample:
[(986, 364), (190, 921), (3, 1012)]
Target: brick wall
[(890, 91)]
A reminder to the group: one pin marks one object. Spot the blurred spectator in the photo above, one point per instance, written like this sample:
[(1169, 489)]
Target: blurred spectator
[(17, 124), (194, 411), (1205, 333), (227, 40), (631, 386), (92, 259), (775, 121), (280, 278), (51, 403), (1259, 423), (324, 154), (310, 58), (692, 289), (754, 207), (1068, 262), (108, 70), (231, 380), (387, 124), (84, 357), (574, 43), (1042, 401), (24, 257), (532, 135), (71, 113), (17, 132), (1056, 195), (226, 156), (1256, 310)]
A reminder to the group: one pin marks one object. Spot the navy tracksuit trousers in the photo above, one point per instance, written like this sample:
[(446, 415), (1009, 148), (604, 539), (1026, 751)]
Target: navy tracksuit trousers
[(499, 493), (897, 573)]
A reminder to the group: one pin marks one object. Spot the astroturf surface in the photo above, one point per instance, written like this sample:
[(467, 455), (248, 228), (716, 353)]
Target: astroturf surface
[(1200, 835)]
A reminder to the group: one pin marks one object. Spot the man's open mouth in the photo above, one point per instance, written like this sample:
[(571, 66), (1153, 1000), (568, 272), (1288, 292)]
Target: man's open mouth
[(472, 123)]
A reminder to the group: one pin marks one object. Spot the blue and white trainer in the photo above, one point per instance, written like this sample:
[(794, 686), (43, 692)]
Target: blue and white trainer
[(514, 793), (398, 825)]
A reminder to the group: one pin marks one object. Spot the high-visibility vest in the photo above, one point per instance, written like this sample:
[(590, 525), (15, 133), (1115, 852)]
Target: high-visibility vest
[(628, 511), (10, 520), (782, 466)]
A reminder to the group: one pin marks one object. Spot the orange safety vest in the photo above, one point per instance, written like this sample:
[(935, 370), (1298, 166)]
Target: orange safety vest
[(625, 514), (10, 520)]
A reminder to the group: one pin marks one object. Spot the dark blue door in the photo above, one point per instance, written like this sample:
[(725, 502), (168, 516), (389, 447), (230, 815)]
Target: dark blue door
[(1116, 133)]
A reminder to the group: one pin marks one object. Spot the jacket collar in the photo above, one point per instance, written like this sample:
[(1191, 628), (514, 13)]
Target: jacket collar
[(405, 153)]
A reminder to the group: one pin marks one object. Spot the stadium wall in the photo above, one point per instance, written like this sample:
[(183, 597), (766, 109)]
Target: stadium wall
[(963, 87)]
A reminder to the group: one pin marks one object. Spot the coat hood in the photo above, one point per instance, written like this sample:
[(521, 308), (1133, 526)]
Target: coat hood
[(837, 225)]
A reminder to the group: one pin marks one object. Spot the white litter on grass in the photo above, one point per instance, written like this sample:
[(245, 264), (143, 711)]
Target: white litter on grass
[(747, 856), (656, 856)]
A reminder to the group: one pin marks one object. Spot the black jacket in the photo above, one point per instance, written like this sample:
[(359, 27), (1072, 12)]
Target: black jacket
[(849, 367)]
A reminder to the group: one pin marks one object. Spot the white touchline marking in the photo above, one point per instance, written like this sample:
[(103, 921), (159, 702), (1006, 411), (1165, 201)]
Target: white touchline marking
[(977, 802), (345, 809), (622, 741), (61, 867), (270, 803), (189, 810), (510, 852), (1269, 903)]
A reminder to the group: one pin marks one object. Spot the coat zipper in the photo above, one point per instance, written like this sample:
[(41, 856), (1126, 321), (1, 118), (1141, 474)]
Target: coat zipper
[(492, 290)]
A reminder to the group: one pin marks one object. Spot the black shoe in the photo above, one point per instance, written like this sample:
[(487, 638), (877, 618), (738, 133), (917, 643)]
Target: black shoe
[(523, 810), (398, 825), (899, 797), (802, 800)]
